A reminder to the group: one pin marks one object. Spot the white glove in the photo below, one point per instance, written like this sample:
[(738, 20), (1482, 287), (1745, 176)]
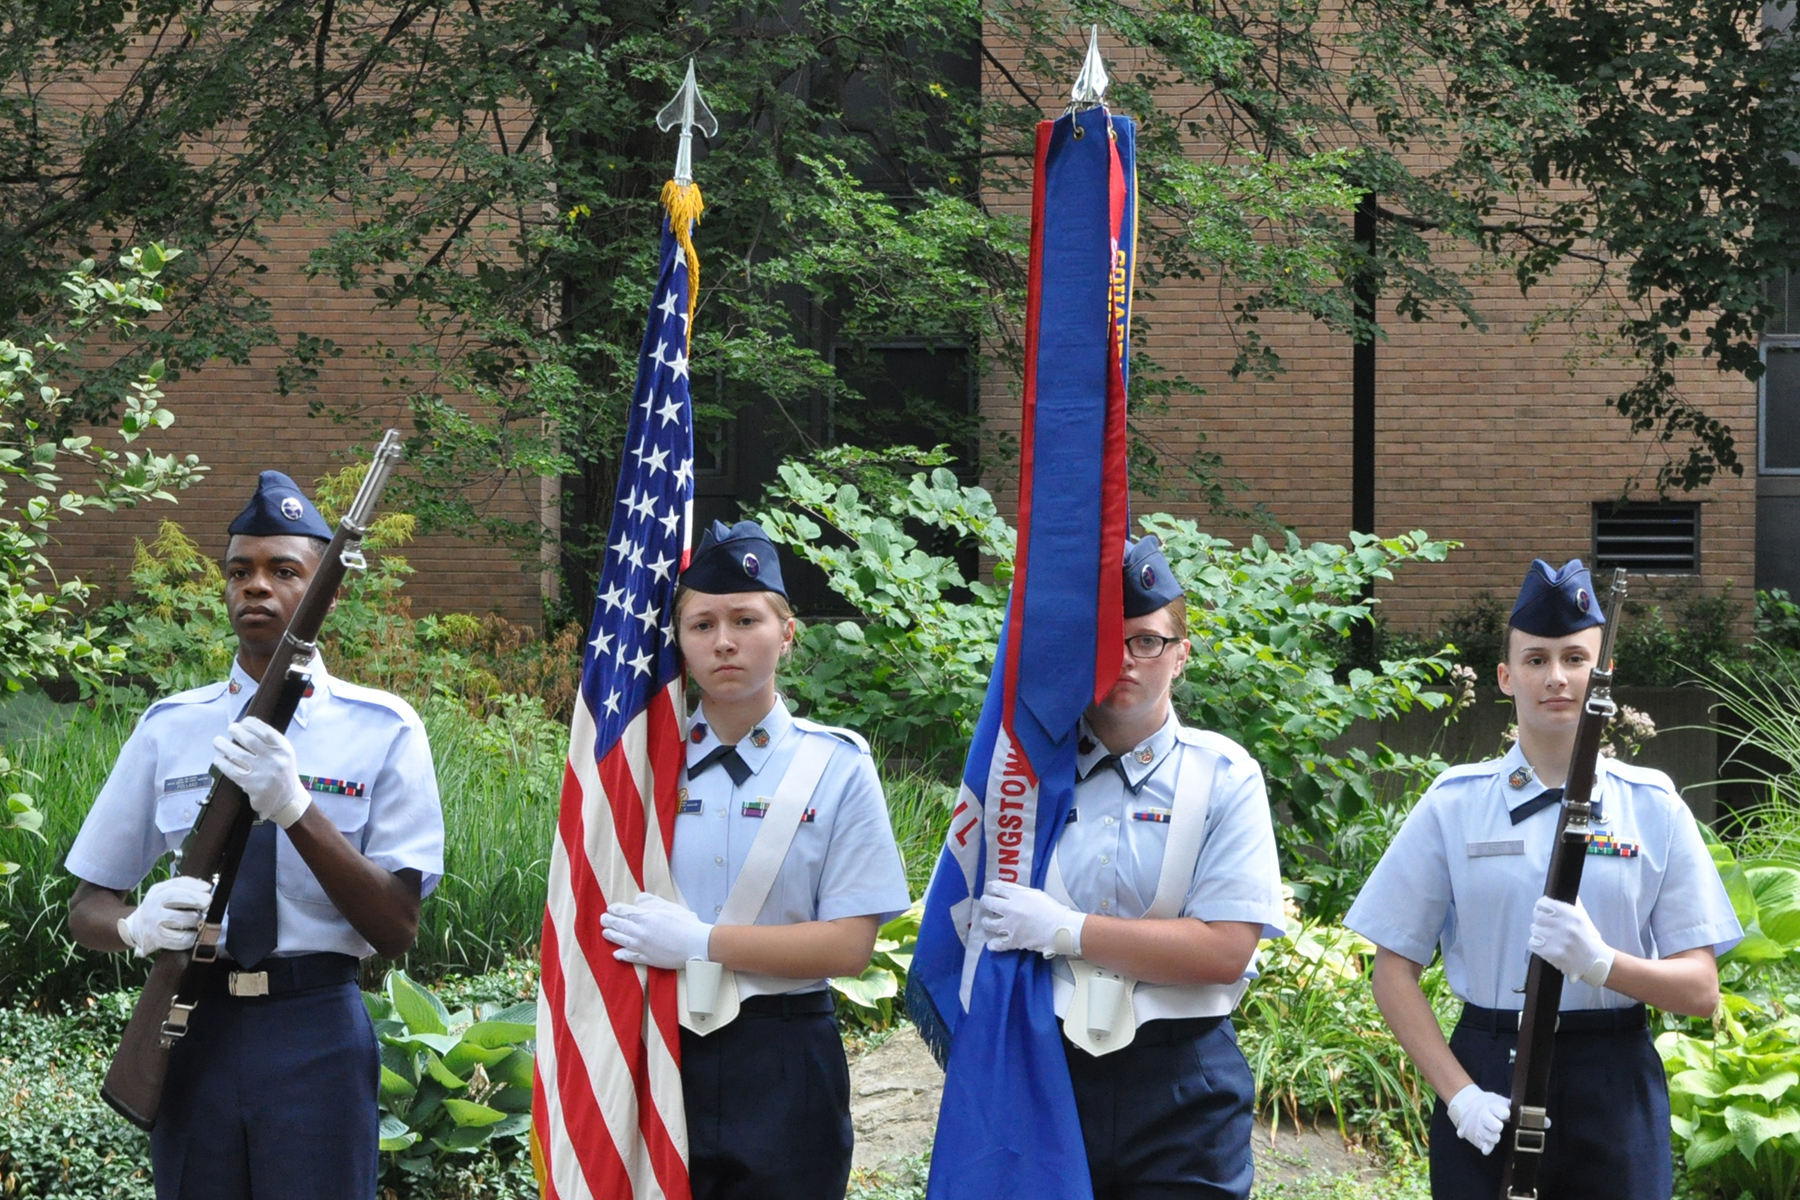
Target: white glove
[(258, 758), (655, 932), (169, 916), (1564, 936), (1479, 1117), (1015, 917)]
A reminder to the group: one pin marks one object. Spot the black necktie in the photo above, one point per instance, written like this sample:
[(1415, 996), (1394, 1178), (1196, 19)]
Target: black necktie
[(733, 762), (1537, 804), (252, 907)]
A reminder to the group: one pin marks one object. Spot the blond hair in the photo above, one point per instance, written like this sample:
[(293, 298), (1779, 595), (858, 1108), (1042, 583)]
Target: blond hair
[(783, 610)]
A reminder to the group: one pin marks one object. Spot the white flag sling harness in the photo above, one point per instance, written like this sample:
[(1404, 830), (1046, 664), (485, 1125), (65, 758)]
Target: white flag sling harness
[(707, 993), (1102, 1015)]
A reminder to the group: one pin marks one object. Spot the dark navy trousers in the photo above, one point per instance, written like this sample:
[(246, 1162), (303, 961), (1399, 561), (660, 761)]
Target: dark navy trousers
[(768, 1103), (1169, 1116), (1609, 1118), (272, 1098)]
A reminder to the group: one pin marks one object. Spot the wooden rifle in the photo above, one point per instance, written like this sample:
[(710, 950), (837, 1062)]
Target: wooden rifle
[(214, 846), (1522, 1140)]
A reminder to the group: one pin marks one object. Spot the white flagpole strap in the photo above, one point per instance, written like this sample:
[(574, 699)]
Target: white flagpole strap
[(1187, 829)]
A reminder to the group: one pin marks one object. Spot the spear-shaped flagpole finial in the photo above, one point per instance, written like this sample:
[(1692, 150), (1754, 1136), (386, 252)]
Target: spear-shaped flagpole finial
[(1090, 85), (689, 111)]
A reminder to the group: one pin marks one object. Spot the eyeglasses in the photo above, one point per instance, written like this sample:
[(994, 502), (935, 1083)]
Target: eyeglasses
[(1149, 645)]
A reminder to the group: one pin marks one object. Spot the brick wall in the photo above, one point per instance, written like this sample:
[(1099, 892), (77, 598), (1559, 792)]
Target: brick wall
[(1496, 439)]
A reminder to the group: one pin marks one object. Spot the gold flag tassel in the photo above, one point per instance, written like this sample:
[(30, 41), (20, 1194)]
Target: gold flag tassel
[(684, 205)]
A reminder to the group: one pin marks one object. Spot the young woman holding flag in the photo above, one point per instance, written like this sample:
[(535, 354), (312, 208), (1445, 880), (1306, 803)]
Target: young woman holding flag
[(1163, 880), (787, 866)]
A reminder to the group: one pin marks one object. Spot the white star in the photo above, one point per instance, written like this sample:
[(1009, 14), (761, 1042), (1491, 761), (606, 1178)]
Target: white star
[(668, 632), (646, 506), (683, 473), (678, 364), (671, 522), (611, 598), (667, 307), (648, 616), (661, 566), (658, 356), (655, 461), (641, 664), (637, 556), (623, 647), (629, 500), (649, 404), (671, 409), (638, 452), (624, 549), (602, 643), (612, 704)]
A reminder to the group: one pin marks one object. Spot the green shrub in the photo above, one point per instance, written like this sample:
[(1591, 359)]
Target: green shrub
[(872, 1000), (1316, 1042), (1735, 1100)]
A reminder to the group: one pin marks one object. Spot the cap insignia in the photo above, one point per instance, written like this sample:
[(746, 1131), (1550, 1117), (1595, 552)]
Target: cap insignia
[(1148, 577), (1582, 600), (1146, 756), (236, 687), (290, 508), (752, 568), (1519, 778), (759, 737)]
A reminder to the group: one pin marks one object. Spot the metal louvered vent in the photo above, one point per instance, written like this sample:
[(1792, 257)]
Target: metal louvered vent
[(1654, 538)]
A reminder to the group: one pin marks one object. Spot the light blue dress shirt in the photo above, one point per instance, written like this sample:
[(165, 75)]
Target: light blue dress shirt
[(843, 861), (362, 754), (1111, 851), (1462, 876)]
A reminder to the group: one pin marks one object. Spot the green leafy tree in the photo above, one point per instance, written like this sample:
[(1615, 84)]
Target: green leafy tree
[(42, 635)]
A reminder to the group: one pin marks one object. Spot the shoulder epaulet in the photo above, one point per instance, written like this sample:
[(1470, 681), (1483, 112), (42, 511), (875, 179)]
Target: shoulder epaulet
[(1642, 776), (1474, 770), (374, 698), (204, 694), (846, 735), (1206, 739)]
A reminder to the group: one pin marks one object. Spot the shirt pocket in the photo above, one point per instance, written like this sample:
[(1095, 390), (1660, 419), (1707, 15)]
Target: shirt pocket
[(177, 811), (350, 814)]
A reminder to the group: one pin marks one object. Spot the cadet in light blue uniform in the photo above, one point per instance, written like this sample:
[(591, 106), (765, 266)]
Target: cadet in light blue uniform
[(1170, 1113), (1466, 873), (272, 1092), (767, 1093)]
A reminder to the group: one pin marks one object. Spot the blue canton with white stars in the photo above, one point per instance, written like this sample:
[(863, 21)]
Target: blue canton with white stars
[(631, 651)]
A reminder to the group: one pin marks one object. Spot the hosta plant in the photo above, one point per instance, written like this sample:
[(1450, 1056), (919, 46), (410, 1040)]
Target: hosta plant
[(450, 1081)]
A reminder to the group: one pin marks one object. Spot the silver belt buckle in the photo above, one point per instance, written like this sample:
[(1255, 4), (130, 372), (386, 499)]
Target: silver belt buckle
[(247, 983)]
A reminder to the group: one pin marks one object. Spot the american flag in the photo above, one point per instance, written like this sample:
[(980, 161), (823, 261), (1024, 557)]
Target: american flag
[(607, 1117)]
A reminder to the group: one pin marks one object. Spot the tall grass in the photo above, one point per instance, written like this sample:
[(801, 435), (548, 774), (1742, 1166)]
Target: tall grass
[(1766, 705)]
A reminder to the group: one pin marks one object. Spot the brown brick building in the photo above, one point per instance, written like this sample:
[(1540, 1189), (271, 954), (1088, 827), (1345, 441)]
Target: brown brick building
[(1498, 439)]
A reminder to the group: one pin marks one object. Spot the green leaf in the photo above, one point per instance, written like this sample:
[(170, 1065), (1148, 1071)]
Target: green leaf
[(434, 1066), (422, 1011), (1772, 1088), (395, 1136), (1750, 1129), (466, 1113), (394, 1086), (1777, 892), (466, 1056), (874, 985), (524, 1013), (497, 1034), (516, 1070)]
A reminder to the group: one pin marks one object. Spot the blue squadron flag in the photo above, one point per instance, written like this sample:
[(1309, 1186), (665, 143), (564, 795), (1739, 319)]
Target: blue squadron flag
[(1008, 1125)]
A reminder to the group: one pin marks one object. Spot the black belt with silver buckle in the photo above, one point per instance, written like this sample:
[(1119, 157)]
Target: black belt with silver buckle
[(1575, 1020), (274, 976)]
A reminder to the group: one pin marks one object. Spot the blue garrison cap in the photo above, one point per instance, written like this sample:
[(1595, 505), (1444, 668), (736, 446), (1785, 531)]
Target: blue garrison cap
[(1555, 604), (734, 558), (277, 508), (1149, 583)]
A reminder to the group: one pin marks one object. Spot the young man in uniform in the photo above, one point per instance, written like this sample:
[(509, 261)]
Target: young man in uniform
[(1467, 872), (1164, 879), (272, 1092)]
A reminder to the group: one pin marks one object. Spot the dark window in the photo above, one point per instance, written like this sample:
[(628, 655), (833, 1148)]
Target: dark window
[(1778, 441), (1653, 538), (913, 394)]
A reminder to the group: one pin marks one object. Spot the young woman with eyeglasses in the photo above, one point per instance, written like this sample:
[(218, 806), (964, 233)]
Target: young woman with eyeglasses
[(1162, 883)]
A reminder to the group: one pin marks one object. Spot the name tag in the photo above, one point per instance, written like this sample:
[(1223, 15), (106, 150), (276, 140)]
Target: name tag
[(182, 783), (689, 806), (1495, 849), (757, 809), (332, 787), (1158, 815), (1607, 844)]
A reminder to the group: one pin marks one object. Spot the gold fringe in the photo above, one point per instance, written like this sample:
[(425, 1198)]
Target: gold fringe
[(683, 202)]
